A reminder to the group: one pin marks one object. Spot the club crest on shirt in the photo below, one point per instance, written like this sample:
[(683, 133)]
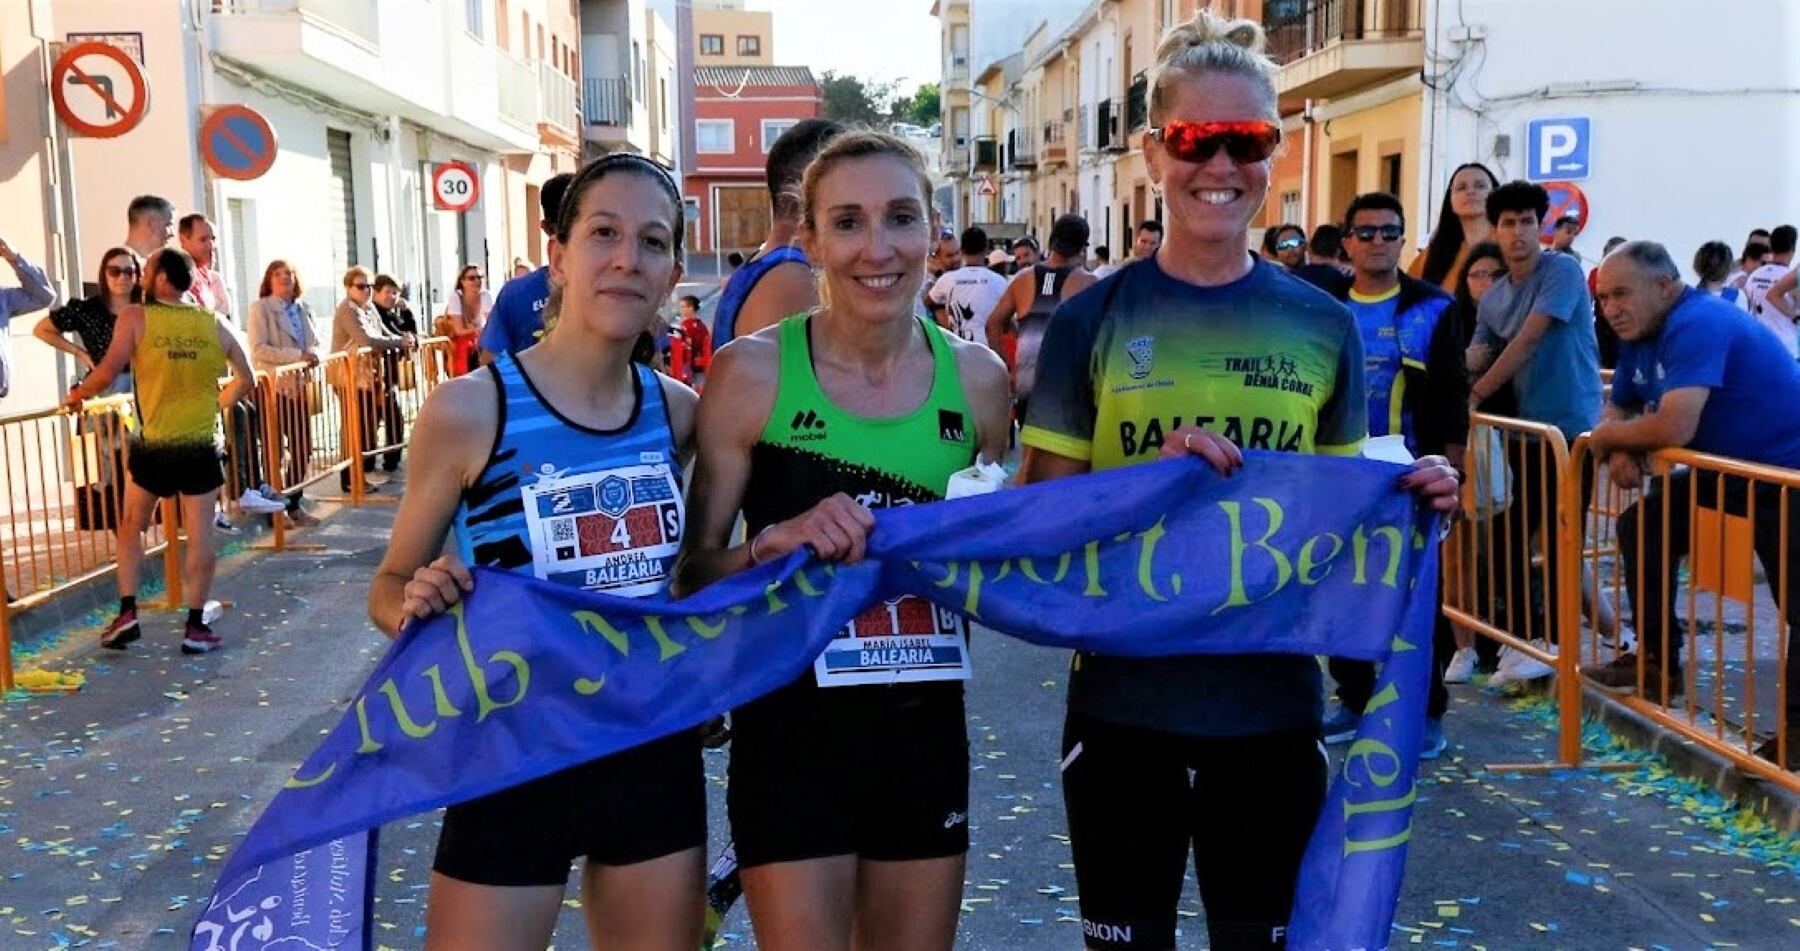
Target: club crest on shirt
[(615, 496), (1140, 350)]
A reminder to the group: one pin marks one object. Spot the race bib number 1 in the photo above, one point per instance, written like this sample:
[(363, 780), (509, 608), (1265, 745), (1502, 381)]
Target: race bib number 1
[(615, 531), (905, 640)]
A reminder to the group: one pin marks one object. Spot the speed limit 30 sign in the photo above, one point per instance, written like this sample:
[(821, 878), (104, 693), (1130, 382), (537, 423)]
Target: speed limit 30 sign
[(455, 186)]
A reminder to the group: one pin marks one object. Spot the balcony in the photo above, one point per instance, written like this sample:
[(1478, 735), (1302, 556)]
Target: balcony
[(356, 19), (987, 154), (1056, 149), (1022, 150), (518, 92), (1330, 48), (956, 155), (1107, 135), (1137, 106), (559, 126), (607, 102)]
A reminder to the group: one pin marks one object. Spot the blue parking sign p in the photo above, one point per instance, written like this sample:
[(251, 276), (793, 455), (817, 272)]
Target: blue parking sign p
[(1557, 149)]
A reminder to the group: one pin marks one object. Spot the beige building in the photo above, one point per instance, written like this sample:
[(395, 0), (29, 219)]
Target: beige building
[(630, 85), (726, 33), (365, 101)]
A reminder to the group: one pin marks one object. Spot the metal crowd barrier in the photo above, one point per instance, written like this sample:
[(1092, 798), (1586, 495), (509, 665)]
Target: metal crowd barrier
[(1681, 550), (1502, 577)]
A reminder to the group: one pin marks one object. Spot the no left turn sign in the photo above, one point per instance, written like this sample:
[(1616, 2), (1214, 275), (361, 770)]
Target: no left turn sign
[(455, 186), (98, 90)]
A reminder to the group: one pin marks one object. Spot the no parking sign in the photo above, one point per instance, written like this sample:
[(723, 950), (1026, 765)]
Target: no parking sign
[(1566, 198)]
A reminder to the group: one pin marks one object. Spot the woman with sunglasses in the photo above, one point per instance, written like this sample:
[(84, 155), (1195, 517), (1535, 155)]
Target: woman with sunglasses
[(1154, 749), (92, 318), (1462, 224), (465, 313), (570, 415)]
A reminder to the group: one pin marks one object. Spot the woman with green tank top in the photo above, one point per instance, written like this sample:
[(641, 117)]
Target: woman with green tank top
[(849, 787)]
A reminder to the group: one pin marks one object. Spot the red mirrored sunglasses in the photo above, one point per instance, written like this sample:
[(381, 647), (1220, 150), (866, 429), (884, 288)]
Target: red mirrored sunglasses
[(1246, 142)]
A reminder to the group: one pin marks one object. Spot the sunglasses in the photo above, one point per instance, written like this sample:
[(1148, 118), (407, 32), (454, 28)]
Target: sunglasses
[(362, 286), (112, 271), (1371, 232), (1246, 142), (1289, 244), (1484, 274)]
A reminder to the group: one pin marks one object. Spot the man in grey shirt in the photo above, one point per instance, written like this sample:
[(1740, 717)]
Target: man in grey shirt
[(1534, 331)]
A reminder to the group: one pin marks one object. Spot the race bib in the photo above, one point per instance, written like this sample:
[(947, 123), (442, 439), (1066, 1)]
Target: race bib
[(905, 640), (616, 530)]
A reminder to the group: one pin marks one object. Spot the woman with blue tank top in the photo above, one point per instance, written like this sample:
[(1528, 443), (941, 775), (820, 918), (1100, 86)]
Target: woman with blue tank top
[(564, 462)]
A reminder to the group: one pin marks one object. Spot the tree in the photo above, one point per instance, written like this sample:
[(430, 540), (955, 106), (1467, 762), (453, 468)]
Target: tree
[(922, 109), (852, 100)]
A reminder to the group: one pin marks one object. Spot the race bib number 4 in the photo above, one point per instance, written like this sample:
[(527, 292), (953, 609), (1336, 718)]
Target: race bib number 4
[(615, 530), (905, 640)]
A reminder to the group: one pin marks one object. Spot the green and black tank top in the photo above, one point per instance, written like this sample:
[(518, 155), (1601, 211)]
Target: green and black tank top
[(811, 449)]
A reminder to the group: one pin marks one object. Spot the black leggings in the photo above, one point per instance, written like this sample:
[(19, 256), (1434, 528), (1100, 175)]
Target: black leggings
[(1247, 810)]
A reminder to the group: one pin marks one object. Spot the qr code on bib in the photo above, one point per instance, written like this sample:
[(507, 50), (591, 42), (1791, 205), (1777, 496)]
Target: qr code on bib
[(562, 530)]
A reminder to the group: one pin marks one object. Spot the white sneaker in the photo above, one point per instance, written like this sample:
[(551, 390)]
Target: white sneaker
[(1462, 666), (1516, 667), (257, 503), (267, 491)]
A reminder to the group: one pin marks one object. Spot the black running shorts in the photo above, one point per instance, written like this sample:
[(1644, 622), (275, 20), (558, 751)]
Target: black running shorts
[(879, 772), (641, 804), (1137, 798), (170, 470)]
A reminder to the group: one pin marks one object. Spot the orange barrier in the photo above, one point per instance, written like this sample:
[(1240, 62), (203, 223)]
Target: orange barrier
[(62, 476), (1494, 559), (390, 389), (1721, 517)]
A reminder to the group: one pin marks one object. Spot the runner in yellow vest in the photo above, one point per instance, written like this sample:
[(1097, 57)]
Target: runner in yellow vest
[(177, 353)]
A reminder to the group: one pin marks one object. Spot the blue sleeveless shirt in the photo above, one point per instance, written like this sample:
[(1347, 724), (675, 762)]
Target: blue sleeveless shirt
[(741, 283), (600, 510)]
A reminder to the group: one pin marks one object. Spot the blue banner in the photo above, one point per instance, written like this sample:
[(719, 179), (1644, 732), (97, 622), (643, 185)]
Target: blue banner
[(1294, 554)]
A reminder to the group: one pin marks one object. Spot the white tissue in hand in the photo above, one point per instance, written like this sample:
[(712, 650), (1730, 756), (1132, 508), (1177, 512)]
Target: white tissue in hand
[(1387, 449), (978, 479)]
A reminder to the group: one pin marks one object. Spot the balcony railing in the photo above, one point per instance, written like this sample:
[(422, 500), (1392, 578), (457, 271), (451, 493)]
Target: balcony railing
[(1137, 107), (561, 98), (1056, 149), (356, 17), (1108, 137), (987, 154), (518, 91), (1299, 28), (1023, 150), (607, 102)]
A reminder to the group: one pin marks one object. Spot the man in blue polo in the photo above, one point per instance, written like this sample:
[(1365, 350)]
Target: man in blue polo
[(1413, 366), (1697, 373), (517, 320)]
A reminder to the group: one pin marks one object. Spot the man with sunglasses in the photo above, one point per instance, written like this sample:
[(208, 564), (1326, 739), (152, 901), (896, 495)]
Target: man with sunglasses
[(1413, 366), (1285, 244)]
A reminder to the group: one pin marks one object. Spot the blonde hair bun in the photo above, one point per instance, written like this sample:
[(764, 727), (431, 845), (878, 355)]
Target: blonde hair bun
[(1209, 43)]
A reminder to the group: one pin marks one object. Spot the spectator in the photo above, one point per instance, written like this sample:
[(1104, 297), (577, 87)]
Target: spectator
[(698, 337), (1756, 254), (1285, 245), (777, 281), (1000, 262), (1562, 235), (520, 268), (356, 326), (1462, 224), (282, 333), (1545, 317), (1413, 368), (150, 223), (1698, 374), (1712, 269), (1025, 253), (201, 244), (33, 293), (1321, 269), (401, 373), (395, 313), (963, 298), (734, 260), (517, 320), (1604, 339), (945, 257), (1102, 258), (1768, 290), (465, 314), (178, 351), (1149, 238), (92, 318), (1032, 296)]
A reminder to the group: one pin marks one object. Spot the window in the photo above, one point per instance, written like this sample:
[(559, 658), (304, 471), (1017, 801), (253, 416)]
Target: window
[(637, 71), (662, 101), (1391, 173), (749, 46), (772, 130), (501, 39), (472, 17), (1290, 206), (712, 44), (713, 136), (340, 199)]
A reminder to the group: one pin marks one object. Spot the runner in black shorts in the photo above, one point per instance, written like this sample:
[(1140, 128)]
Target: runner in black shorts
[(1219, 751), (177, 353), (570, 414), (849, 787)]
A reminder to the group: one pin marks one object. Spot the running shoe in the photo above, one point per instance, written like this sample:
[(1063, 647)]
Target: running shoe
[(1621, 676), (1461, 669), (199, 639), (301, 518), (267, 491), (257, 503), (1517, 667), (1432, 742), (223, 523), (1341, 725), (121, 632)]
